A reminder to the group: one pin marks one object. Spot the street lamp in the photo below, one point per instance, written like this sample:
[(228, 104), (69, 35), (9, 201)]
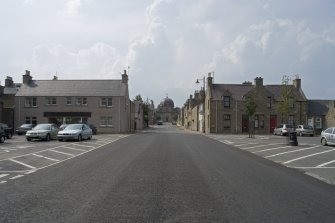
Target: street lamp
[(202, 112)]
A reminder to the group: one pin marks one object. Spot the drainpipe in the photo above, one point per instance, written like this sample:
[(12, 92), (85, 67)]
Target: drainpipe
[(119, 115), (216, 118), (236, 117)]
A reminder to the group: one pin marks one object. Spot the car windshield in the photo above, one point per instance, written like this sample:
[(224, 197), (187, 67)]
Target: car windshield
[(42, 127), (26, 125), (74, 127)]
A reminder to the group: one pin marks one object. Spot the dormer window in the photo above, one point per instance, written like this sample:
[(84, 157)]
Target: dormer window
[(226, 101)]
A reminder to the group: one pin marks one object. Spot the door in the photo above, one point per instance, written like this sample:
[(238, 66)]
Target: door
[(245, 123), (273, 123)]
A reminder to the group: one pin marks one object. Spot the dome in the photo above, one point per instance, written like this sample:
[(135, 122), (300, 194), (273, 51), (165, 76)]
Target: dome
[(167, 103)]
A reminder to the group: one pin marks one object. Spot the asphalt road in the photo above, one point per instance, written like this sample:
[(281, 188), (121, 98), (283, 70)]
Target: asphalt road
[(166, 175)]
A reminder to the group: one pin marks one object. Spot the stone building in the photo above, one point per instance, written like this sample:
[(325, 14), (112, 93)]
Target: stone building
[(225, 110), (321, 114), (7, 101), (103, 103), (166, 111)]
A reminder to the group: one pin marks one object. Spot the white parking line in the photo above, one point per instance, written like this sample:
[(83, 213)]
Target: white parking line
[(3, 175), (264, 150), (303, 157), (83, 145), (253, 147), (325, 164), (16, 177), (45, 157), (82, 150), (293, 151), (2, 182), (56, 151), (23, 164)]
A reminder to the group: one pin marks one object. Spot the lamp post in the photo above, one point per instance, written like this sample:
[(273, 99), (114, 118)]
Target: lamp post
[(202, 112)]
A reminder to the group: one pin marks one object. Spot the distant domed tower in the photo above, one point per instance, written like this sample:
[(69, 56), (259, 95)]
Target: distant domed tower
[(166, 111)]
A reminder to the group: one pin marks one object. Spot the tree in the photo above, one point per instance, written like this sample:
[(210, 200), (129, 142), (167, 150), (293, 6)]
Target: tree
[(286, 98), (250, 107), (145, 108)]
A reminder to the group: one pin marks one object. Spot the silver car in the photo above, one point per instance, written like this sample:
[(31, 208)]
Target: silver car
[(304, 130), (328, 136), (43, 131), (75, 132), (283, 129)]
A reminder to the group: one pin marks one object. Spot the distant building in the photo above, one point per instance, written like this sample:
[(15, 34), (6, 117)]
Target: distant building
[(321, 114), (166, 111)]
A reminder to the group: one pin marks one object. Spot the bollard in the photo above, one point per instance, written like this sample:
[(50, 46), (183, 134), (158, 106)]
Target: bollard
[(293, 140)]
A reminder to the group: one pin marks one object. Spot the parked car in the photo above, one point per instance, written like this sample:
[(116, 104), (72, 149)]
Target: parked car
[(8, 130), (305, 130), (159, 122), (75, 132), (283, 129), (24, 128), (43, 131), (2, 134), (328, 136)]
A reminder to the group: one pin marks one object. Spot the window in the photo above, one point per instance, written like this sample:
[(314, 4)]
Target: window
[(226, 101), (269, 103), (30, 102), (51, 101), (226, 121), (68, 101), (106, 102), (81, 101), (259, 121), (318, 123), (291, 120), (106, 121), (290, 103), (31, 120)]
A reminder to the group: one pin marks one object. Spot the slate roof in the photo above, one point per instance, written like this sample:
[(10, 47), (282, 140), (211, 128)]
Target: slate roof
[(87, 88), (318, 107), (239, 90)]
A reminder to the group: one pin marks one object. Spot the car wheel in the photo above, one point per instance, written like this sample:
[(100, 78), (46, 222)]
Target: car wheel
[(9, 135), (79, 138), (300, 133), (61, 140), (323, 141), (2, 139), (47, 138)]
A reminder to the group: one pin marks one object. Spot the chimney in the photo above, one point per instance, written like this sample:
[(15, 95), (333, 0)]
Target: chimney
[(27, 78), (125, 77), (209, 80), (258, 81), (9, 82), (297, 83)]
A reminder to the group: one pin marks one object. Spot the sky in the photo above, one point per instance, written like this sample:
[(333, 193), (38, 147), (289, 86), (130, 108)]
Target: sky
[(166, 45)]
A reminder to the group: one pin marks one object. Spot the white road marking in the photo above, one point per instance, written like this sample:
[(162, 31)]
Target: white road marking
[(44, 157), (16, 177), (99, 144), (3, 175), (2, 182), (84, 145), (293, 151), (56, 151), (303, 157), (82, 150), (226, 141), (23, 164), (325, 164), (264, 150), (253, 147), (31, 171)]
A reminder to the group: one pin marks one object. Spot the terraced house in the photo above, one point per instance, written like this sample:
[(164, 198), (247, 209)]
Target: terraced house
[(103, 103), (225, 107)]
